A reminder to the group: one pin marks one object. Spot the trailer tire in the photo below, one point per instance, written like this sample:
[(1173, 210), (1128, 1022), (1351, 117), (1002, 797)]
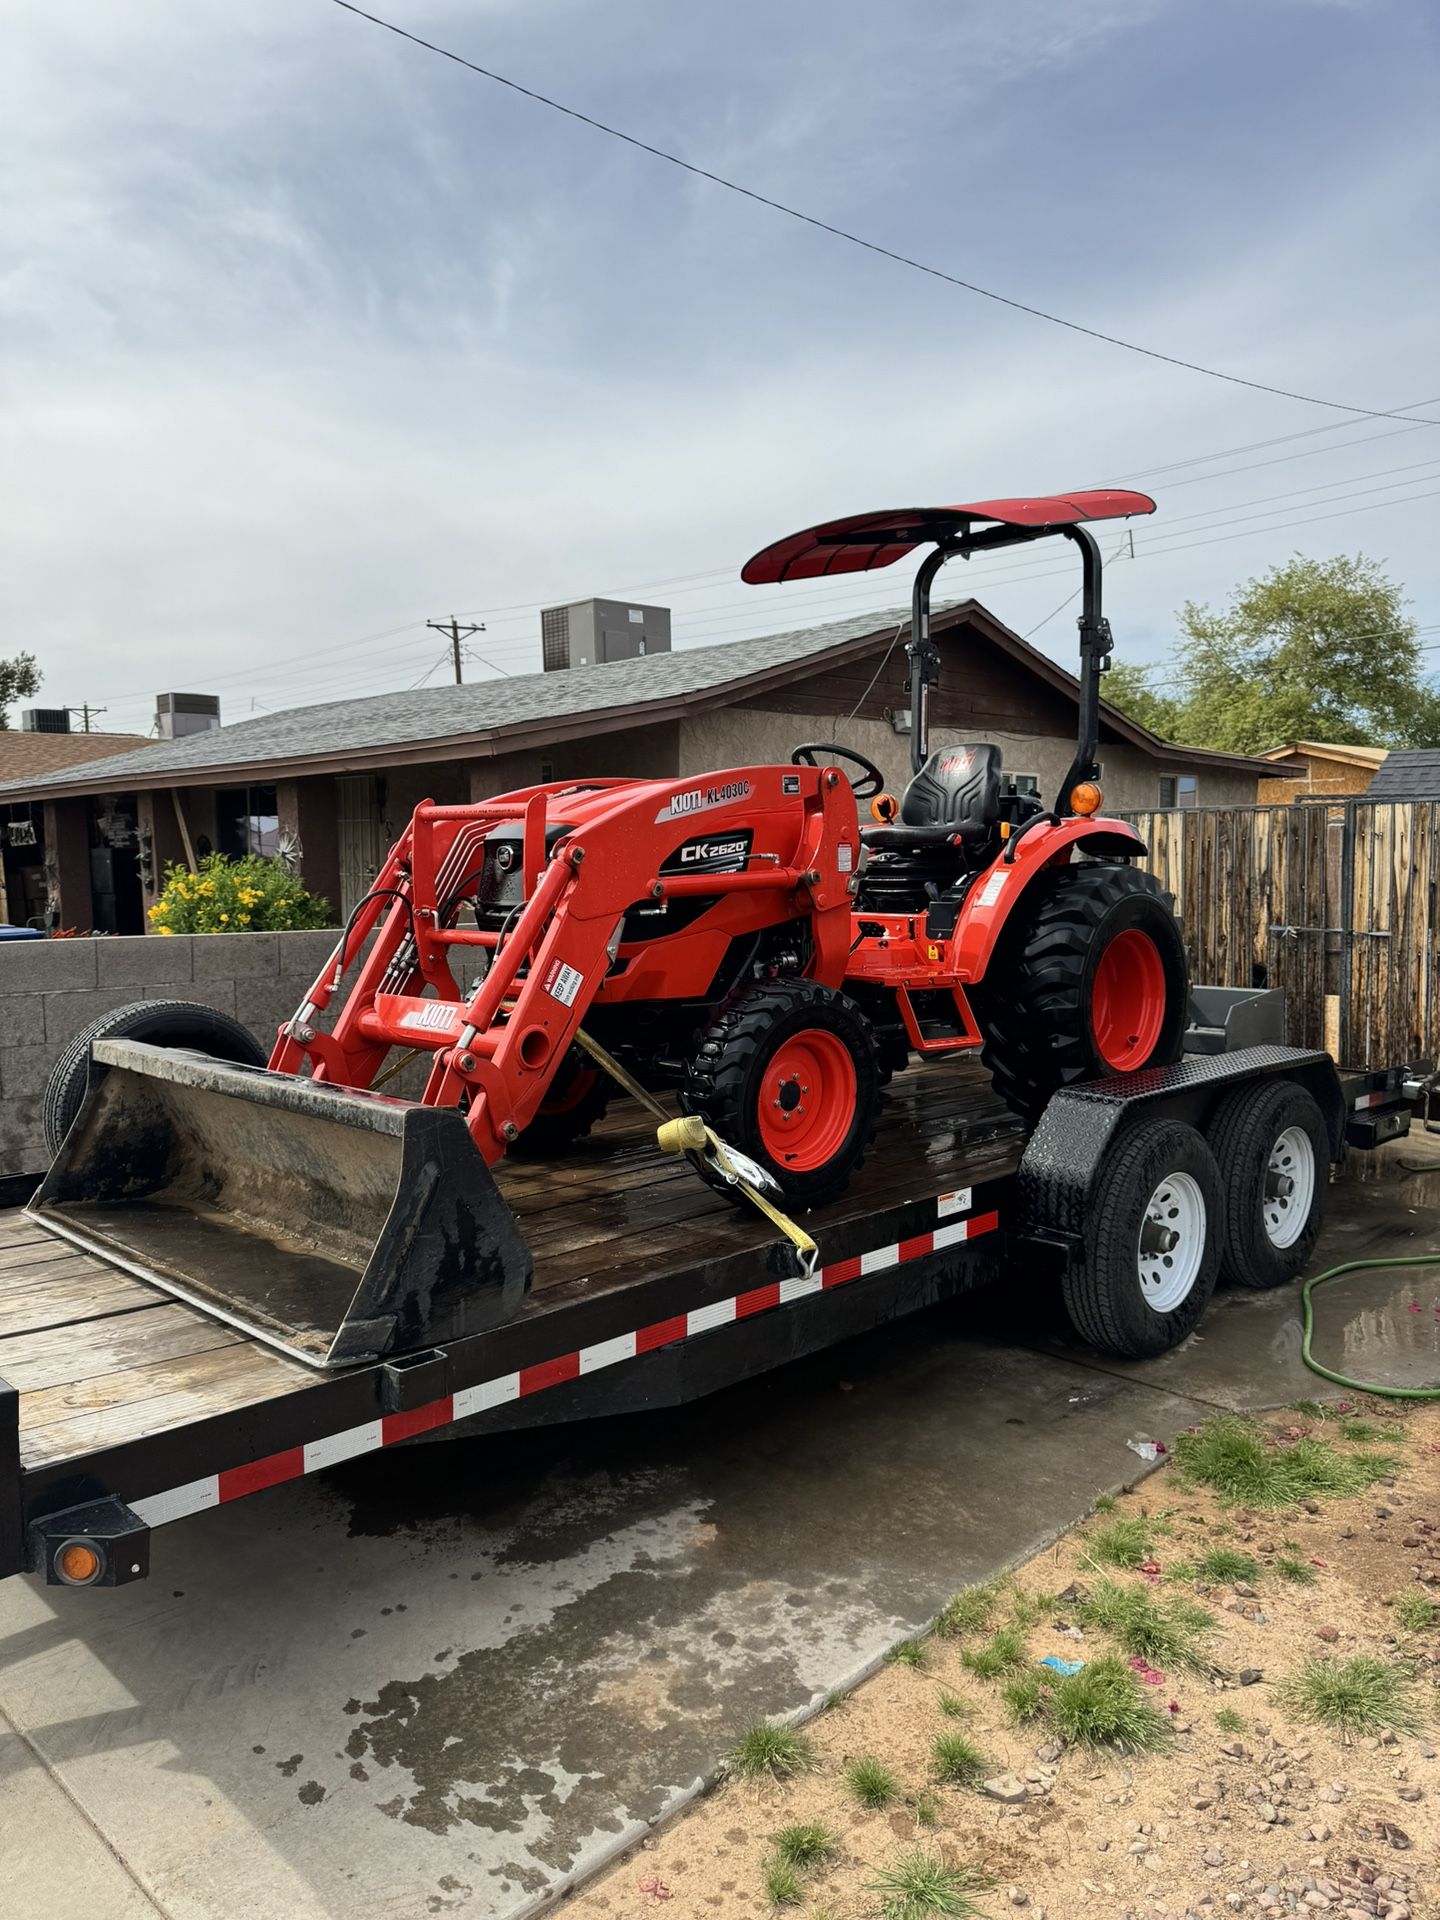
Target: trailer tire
[(1273, 1151), (161, 1023), (756, 1053), (1088, 948), (578, 1097), (1129, 1294)]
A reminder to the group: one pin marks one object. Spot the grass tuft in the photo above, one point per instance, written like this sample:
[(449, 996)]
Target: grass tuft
[(1166, 1633), (1299, 1572), (1124, 1543), (1311, 1409), (1027, 1610), (918, 1885), (871, 1782), (969, 1611), (952, 1706), (766, 1751), (1234, 1458), (957, 1761), (927, 1810), (837, 1699), (1105, 1504), (1025, 1694), (1229, 1721), (1414, 1613), (1227, 1563), (782, 1884), (1359, 1696), (806, 1847), (910, 1653), (1104, 1705), (1001, 1653)]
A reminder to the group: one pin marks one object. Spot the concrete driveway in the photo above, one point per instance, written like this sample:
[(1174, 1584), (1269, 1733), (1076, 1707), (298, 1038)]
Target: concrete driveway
[(451, 1678)]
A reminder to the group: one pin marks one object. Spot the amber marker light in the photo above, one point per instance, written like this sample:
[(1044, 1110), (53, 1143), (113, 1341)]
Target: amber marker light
[(1086, 798), (77, 1564)]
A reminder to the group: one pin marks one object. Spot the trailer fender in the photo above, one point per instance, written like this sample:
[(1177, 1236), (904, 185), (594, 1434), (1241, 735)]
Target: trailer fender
[(995, 894)]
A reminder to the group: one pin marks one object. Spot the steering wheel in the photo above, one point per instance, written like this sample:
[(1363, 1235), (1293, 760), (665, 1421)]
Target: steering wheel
[(872, 782)]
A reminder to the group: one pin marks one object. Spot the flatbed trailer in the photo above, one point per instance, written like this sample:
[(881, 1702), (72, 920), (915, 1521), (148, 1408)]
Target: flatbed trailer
[(122, 1408)]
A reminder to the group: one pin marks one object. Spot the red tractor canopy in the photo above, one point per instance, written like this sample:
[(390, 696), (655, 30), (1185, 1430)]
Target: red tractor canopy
[(864, 540)]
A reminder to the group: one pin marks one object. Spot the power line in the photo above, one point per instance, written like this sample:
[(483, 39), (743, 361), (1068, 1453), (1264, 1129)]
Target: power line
[(855, 239), (1258, 446)]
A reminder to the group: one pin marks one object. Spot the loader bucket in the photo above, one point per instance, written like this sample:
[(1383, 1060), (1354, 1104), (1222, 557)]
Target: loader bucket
[(337, 1226)]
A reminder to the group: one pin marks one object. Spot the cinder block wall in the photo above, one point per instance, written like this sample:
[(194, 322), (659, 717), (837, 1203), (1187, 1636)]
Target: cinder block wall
[(50, 989)]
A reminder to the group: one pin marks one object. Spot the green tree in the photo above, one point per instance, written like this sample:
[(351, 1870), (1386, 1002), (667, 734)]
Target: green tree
[(19, 680), (1312, 650), (1127, 686)]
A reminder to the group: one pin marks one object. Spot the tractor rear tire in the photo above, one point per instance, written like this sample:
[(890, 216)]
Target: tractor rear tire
[(578, 1097), (160, 1023), (1152, 1243), (1089, 979), (1273, 1151), (788, 1075)]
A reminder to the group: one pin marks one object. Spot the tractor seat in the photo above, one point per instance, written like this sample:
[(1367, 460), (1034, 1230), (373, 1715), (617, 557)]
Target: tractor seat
[(954, 796)]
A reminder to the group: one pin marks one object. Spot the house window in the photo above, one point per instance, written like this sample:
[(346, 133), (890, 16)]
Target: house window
[(547, 773), (247, 821), (1179, 790), (1025, 783)]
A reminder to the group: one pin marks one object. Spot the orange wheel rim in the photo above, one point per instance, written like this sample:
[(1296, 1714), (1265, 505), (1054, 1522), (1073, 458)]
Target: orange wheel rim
[(807, 1100), (1127, 1001)]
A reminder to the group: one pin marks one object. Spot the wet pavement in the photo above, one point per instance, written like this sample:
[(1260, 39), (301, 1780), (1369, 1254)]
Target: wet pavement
[(446, 1679)]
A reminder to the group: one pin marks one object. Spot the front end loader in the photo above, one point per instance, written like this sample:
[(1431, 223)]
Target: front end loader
[(737, 941)]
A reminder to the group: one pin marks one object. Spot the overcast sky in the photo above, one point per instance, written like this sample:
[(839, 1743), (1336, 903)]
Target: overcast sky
[(309, 335)]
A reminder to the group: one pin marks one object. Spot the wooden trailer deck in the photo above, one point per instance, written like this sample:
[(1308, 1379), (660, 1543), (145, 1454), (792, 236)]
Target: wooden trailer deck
[(100, 1359)]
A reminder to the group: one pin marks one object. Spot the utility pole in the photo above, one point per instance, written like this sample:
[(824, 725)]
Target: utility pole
[(455, 632), (85, 712)]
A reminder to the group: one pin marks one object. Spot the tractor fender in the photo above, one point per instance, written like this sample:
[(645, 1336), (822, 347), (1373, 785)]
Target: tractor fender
[(995, 893)]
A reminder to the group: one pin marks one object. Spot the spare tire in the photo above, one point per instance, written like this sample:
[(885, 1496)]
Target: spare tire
[(160, 1023)]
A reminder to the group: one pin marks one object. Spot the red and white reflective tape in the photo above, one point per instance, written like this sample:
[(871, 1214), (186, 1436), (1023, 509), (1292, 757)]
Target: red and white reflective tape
[(234, 1482), (1367, 1100)]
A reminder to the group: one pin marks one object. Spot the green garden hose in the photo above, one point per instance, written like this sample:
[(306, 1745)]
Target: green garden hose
[(1307, 1312)]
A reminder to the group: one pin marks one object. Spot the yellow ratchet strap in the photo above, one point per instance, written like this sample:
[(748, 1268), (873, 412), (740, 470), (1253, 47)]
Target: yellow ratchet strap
[(689, 1134)]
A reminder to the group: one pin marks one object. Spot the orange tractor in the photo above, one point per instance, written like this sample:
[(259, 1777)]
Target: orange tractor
[(740, 939)]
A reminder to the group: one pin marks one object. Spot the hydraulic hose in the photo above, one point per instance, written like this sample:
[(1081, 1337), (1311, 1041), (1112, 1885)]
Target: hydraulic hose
[(1308, 1316)]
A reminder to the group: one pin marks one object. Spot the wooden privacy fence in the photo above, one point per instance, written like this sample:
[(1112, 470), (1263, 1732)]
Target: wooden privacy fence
[(1337, 903)]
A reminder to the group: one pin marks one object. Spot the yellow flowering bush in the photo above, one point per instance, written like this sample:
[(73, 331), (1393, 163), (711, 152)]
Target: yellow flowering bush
[(250, 895)]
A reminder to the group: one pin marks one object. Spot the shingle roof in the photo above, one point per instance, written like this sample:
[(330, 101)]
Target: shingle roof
[(26, 756), (1410, 775), (442, 713), (467, 719)]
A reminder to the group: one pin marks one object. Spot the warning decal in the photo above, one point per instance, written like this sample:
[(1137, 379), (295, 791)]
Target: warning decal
[(993, 888), (563, 983)]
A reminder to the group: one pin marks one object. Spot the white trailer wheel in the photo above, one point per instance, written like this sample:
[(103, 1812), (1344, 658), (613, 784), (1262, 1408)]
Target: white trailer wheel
[(1289, 1187), (1172, 1242)]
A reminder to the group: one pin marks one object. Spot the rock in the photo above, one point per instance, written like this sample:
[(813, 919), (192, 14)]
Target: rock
[(1138, 1846), (1250, 1676), (1050, 1752), (1314, 1899), (1018, 1897), (1412, 1794), (1213, 1857), (1235, 1749), (1389, 1738), (1268, 1813), (1327, 1633), (1005, 1787), (1312, 1506), (1319, 1832)]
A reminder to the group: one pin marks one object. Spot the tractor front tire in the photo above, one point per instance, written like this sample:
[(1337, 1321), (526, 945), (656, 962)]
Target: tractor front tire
[(788, 1075), (578, 1097), (159, 1023), (1089, 979)]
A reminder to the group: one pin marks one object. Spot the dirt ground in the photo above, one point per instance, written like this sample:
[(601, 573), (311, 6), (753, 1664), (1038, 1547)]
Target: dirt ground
[(1277, 1817)]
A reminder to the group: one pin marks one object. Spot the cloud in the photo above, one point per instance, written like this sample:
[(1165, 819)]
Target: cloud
[(309, 335)]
